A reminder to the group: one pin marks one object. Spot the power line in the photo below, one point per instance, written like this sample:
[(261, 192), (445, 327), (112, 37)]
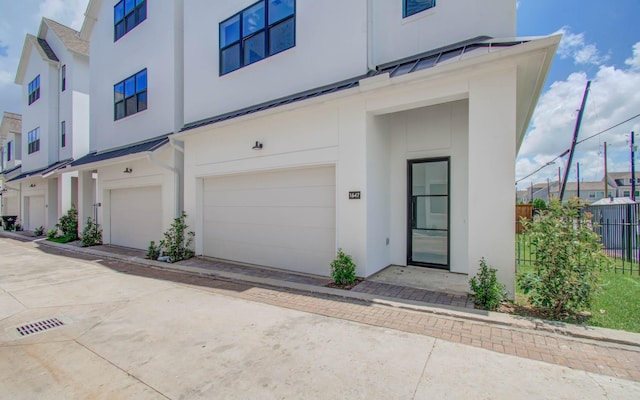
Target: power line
[(608, 129), (577, 143)]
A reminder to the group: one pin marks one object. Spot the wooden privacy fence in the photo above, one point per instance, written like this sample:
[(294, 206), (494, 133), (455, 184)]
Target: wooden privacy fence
[(523, 211)]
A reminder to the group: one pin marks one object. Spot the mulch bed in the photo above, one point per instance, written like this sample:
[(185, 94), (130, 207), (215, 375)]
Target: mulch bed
[(345, 287)]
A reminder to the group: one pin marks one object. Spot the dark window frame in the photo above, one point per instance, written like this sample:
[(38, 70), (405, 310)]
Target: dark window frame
[(33, 137), (265, 30), (9, 150), (413, 9), (63, 78), (129, 20), (34, 90), (63, 134), (139, 96)]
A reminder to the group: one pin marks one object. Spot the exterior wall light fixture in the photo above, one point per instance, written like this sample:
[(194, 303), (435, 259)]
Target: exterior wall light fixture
[(127, 170), (257, 146), (32, 185)]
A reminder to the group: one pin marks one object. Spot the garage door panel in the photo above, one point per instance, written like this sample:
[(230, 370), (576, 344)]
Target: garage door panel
[(308, 196), (284, 237), (136, 216), (12, 206), (276, 179), (283, 219), (294, 217)]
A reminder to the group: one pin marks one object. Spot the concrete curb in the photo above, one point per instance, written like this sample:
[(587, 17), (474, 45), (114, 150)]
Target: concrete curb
[(609, 336)]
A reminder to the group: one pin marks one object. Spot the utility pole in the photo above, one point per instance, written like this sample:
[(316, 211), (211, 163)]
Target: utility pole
[(606, 177), (578, 179), (575, 139), (531, 186), (548, 190), (633, 168), (559, 182)]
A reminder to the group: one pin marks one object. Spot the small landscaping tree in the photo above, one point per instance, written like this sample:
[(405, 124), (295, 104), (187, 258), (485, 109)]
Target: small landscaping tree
[(177, 240), (568, 258), (68, 225), (539, 204), (488, 292), (343, 270), (91, 234)]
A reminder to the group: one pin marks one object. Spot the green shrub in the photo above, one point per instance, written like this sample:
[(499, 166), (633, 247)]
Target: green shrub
[(488, 293), (539, 204), (153, 251), (39, 231), (52, 233), (343, 270), (568, 258), (68, 224), (91, 234), (177, 240)]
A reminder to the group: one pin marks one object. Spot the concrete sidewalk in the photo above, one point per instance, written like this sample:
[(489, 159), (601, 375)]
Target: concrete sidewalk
[(155, 334)]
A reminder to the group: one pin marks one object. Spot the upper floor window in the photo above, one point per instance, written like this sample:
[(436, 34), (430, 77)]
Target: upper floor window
[(130, 95), (410, 7), (63, 78), (127, 14), (9, 151), (34, 89), (259, 31), (34, 141), (63, 134)]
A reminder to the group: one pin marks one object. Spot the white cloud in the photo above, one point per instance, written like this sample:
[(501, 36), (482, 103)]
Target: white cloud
[(67, 12), (614, 97), (573, 46)]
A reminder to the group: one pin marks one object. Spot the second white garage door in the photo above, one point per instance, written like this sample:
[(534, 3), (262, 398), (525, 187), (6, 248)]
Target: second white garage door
[(136, 216), (283, 219)]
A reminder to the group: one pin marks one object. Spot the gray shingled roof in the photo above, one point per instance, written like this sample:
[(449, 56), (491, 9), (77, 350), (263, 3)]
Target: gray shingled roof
[(41, 171), (444, 55), (68, 36), (148, 145)]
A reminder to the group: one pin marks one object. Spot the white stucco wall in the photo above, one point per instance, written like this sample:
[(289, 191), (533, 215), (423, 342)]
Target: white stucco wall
[(331, 45), (450, 21), (155, 45), (42, 113)]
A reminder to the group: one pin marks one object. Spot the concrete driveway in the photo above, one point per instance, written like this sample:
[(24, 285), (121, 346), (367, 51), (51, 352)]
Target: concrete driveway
[(131, 337)]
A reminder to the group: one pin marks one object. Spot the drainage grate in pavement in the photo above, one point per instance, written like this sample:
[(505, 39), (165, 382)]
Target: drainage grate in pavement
[(40, 326)]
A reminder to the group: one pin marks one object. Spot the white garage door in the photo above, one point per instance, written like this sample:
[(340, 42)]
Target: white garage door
[(35, 212), (136, 216), (284, 219)]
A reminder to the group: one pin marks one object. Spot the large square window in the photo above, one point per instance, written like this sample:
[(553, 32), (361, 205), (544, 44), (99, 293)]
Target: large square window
[(34, 90), (127, 14), (130, 95), (263, 29), (410, 7)]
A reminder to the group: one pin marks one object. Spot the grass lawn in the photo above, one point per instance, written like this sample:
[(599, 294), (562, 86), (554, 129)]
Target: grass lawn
[(62, 239), (616, 306)]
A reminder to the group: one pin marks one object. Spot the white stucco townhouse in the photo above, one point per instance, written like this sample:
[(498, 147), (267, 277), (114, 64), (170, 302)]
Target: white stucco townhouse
[(136, 103), (10, 160), (387, 128), (54, 75)]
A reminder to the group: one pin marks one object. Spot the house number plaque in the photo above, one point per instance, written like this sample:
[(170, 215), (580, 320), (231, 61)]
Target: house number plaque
[(354, 195)]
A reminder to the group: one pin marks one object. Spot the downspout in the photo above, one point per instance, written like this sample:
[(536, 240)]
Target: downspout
[(370, 35)]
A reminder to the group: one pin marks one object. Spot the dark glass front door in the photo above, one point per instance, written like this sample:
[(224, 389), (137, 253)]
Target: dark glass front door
[(428, 233)]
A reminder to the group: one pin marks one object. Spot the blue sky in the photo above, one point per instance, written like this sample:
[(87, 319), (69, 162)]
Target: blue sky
[(598, 44)]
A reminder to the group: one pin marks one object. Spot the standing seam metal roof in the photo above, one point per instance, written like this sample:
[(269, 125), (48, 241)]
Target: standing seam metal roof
[(148, 145)]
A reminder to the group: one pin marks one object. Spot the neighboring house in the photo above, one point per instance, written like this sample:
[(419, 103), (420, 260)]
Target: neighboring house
[(623, 183), (136, 102), (53, 73), (590, 191), (388, 129), (10, 159)]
